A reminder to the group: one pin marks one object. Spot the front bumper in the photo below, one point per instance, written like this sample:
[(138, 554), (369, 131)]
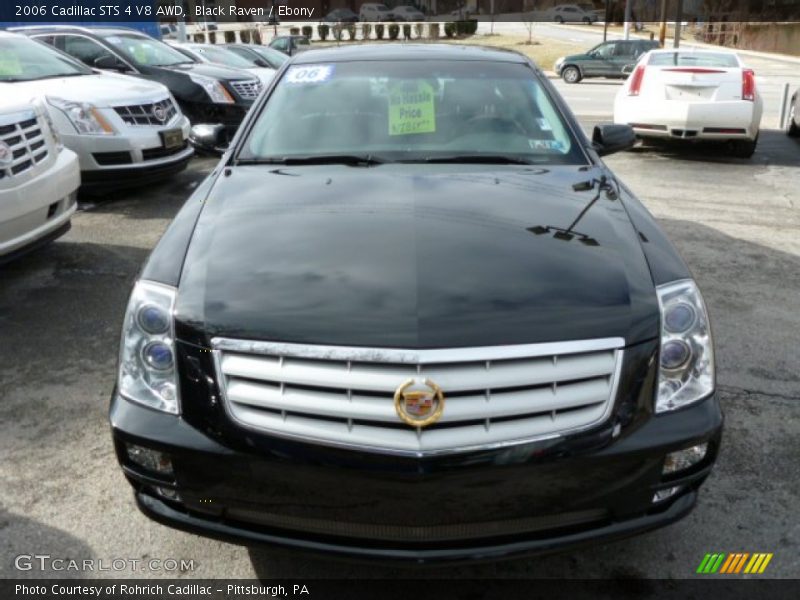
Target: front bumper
[(532, 498), (134, 151), (38, 207)]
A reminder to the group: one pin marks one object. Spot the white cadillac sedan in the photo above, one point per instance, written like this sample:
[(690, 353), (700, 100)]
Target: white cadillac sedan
[(692, 95)]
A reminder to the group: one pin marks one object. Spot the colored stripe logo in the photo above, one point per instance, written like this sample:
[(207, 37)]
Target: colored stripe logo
[(734, 563)]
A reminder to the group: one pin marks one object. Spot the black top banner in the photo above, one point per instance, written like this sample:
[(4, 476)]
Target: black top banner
[(587, 12)]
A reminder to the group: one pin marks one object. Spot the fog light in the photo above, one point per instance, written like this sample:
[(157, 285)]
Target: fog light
[(662, 495), (169, 494), (152, 460), (683, 459)]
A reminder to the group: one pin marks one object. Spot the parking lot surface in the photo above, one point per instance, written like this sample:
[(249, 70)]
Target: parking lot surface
[(61, 493)]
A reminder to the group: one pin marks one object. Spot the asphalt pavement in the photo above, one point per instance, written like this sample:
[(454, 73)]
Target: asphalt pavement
[(61, 492)]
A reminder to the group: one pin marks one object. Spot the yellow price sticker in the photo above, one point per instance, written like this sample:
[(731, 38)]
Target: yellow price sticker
[(9, 64), (411, 108)]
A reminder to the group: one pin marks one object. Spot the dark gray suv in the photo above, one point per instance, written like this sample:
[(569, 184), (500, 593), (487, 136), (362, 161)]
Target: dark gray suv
[(608, 59)]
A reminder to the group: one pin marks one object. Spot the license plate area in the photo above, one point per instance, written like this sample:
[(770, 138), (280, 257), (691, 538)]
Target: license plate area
[(171, 138)]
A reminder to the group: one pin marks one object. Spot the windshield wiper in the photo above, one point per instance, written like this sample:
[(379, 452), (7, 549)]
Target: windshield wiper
[(354, 160), (492, 159), (13, 79)]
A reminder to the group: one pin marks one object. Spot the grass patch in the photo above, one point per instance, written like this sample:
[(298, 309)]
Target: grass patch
[(543, 52)]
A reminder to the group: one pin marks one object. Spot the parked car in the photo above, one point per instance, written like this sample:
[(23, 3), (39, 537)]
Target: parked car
[(39, 178), (341, 15), (407, 13), (414, 282), (123, 129), (221, 55), (608, 59), (371, 11), (793, 118), (290, 44), (207, 94), (572, 13), (255, 53), (692, 95)]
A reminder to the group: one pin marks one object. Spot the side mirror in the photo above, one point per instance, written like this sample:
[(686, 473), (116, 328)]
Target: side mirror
[(610, 138), (110, 63), (627, 69), (208, 137), (260, 62)]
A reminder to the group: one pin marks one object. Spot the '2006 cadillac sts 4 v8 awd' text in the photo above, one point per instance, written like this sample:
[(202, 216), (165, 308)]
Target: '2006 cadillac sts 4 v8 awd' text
[(412, 315)]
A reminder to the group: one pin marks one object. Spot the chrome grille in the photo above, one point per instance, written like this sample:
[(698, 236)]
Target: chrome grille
[(494, 396), (23, 135), (147, 114), (247, 88)]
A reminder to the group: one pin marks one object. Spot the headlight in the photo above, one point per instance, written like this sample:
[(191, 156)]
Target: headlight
[(147, 352), (86, 119), (215, 90), (686, 360)]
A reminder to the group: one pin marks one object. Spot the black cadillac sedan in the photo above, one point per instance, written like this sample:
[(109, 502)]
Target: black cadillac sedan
[(412, 315)]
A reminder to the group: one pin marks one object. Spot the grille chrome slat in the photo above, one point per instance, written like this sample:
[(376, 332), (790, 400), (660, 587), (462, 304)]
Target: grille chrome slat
[(454, 379), (25, 138), (145, 114), (344, 396), (248, 89), (464, 408)]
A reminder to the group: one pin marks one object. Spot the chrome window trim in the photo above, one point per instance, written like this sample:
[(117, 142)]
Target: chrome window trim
[(411, 356)]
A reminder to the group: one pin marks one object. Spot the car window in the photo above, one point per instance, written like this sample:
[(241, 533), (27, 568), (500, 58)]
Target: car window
[(22, 59), (223, 56), (84, 49), (272, 56), (691, 59), (623, 49), (147, 51), (280, 44), (606, 50), (412, 111)]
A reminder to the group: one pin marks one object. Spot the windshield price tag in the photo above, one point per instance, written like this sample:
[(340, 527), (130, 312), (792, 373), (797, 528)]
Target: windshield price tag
[(9, 64), (411, 108), (309, 74)]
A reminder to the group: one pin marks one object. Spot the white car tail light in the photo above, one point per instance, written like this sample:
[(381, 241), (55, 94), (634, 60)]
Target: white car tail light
[(636, 81), (748, 85)]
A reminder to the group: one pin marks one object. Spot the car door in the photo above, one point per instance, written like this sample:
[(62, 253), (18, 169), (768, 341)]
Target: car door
[(624, 54), (599, 63)]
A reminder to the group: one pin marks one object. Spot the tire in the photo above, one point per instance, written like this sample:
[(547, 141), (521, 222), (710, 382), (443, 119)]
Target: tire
[(743, 148), (587, 21), (560, 20), (571, 74), (792, 130)]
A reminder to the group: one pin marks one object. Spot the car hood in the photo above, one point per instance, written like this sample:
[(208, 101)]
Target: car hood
[(220, 72), (419, 257), (101, 89)]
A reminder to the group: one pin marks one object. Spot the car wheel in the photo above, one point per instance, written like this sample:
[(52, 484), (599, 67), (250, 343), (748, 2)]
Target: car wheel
[(792, 130), (587, 21), (571, 74), (560, 20), (743, 148)]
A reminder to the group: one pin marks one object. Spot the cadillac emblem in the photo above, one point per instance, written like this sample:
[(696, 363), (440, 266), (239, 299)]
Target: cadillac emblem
[(160, 113), (419, 403), (6, 155)]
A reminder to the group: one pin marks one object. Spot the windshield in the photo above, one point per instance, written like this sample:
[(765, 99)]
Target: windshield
[(699, 59), (147, 51), (22, 59), (412, 111), (222, 56)]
